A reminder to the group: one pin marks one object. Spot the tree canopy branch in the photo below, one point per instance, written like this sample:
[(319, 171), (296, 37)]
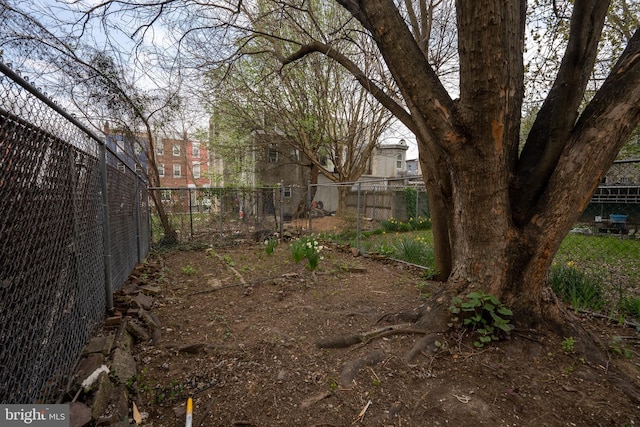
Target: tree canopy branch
[(559, 112), (318, 47)]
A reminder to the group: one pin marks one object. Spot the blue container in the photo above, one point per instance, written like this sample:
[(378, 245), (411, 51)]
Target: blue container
[(616, 218)]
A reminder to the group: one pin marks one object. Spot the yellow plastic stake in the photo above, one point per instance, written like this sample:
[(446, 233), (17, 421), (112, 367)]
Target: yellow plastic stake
[(189, 412)]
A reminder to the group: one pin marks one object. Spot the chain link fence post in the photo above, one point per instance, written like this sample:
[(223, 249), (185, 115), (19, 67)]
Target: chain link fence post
[(308, 207), (106, 229)]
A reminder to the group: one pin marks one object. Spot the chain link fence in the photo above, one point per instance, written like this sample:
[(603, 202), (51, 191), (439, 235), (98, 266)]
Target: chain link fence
[(226, 215), (391, 217), (72, 227)]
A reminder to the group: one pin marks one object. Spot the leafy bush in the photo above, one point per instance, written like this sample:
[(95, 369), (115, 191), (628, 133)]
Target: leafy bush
[(393, 225), (414, 223)]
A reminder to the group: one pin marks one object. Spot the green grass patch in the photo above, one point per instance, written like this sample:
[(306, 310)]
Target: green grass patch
[(577, 288)]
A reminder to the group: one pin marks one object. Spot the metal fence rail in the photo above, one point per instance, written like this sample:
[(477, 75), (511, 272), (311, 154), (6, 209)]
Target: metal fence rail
[(72, 227), (604, 245), (226, 213), (391, 217)]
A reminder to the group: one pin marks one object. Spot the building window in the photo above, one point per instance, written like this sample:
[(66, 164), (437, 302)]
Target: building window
[(161, 170), (287, 192), (399, 161), (165, 195), (160, 147), (295, 154), (195, 150), (177, 171), (273, 154), (119, 148), (196, 170), (121, 167), (176, 150)]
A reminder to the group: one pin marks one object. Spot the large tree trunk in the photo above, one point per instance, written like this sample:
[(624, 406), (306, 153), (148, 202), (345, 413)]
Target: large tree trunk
[(438, 186), (505, 213), (170, 235)]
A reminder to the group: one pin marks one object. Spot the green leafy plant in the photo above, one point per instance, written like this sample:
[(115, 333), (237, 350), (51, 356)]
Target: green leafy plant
[(393, 225), (138, 383), (618, 347), (385, 249), (188, 270), (482, 313), (568, 344), (306, 248), (270, 245), (414, 223), (410, 198), (420, 223), (170, 392), (422, 290)]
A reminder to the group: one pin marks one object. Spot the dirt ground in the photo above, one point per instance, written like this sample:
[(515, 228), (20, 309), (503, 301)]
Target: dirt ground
[(240, 331)]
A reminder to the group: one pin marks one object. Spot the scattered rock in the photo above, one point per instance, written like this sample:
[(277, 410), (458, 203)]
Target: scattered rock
[(150, 290), (123, 365), (143, 301), (87, 366), (102, 344), (138, 331), (79, 414)]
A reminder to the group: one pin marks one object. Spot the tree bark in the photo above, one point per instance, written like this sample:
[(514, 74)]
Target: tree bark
[(503, 214)]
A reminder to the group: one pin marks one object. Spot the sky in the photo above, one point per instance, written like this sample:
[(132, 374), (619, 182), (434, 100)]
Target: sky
[(52, 12)]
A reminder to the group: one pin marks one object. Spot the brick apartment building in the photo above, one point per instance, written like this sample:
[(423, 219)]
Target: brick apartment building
[(182, 162)]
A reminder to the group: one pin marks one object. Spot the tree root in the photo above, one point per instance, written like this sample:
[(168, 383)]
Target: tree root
[(351, 368), (555, 321), (426, 343), (349, 340)]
